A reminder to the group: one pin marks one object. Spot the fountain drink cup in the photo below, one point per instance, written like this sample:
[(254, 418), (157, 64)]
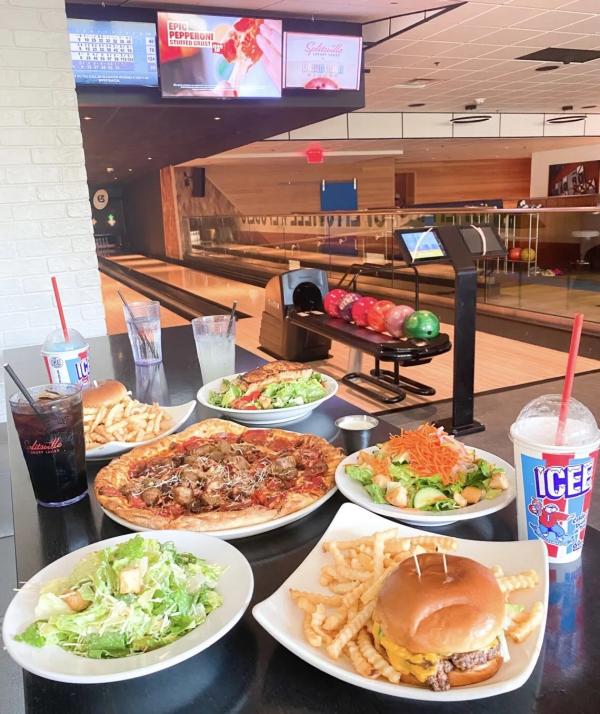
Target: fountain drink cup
[(67, 362), (53, 443), (554, 482)]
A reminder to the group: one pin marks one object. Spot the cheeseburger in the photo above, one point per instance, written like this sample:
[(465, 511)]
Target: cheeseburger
[(440, 628), (104, 393)]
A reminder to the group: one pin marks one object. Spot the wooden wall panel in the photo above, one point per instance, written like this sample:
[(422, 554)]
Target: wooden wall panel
[(446, 181), (293, 186), (170, 214)]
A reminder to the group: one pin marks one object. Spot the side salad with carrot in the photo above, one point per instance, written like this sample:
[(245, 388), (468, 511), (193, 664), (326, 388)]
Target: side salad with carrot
[(428, 470)]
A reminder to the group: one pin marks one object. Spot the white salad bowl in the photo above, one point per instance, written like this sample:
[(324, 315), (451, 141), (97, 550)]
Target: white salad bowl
[(263, 417), (236, 585)]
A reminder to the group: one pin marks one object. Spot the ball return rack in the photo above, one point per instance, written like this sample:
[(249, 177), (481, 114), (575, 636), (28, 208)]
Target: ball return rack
[(294, 325)]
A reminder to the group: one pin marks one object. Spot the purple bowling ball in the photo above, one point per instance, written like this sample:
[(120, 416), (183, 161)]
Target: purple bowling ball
[(345, 306), (394, 320)]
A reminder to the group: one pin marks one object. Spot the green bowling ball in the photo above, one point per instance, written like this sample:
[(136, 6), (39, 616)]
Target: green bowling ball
[(422, 324)]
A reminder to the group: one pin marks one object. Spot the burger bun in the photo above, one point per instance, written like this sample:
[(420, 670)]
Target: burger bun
[(107, 392), (456, 608)]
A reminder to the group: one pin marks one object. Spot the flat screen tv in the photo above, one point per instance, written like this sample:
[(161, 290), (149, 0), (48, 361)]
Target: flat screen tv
[(217, 56), (321, 61), (112, 53)]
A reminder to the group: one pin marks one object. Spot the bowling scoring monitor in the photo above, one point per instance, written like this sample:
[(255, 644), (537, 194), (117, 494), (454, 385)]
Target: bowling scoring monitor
[(483, 241), (420, 246)]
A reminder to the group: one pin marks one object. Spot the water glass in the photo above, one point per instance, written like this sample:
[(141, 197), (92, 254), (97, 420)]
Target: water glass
[(215, 344), (143, 326)]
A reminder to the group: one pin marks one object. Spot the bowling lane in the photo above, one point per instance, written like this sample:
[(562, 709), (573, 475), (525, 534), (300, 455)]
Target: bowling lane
[(500, 362)]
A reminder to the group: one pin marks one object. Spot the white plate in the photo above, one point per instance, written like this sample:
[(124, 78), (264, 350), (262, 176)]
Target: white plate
[(235, 585), (354, 491), (178, 416), (283, 620), (264, 416), (244, 531)]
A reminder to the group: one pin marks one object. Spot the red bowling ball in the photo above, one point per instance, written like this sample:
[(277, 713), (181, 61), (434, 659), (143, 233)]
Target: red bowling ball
[(345, 306), (360, 310), (394, 320), (377, 313), (331, 302)]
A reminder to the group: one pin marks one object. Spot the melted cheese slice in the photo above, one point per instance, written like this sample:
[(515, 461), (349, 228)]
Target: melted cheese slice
[(404, 661)]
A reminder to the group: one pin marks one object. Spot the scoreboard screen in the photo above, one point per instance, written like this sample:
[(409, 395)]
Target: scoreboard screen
[(113, 52)]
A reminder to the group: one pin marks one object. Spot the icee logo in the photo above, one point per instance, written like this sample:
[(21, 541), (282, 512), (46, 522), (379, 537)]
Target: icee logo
[(564, 481)]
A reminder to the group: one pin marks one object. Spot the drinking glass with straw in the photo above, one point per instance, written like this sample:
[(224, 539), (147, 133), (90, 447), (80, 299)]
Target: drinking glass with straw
[(556, 442), (214, 336), (143, 326)]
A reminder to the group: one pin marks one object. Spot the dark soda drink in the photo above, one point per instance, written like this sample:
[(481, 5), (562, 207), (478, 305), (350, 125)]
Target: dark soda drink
[(53, 443)]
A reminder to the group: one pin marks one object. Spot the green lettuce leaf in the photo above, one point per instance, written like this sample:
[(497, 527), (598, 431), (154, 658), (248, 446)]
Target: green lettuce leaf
[(376, 493), (32, 636), (362, 474)]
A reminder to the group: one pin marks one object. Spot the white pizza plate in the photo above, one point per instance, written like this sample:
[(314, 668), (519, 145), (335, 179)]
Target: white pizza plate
[(236, 585), (282, 619), (263, 417), (355, 492), (244, 531), (177, 415)]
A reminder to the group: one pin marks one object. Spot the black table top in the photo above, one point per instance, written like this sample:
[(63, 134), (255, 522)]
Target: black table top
[(247, 671)]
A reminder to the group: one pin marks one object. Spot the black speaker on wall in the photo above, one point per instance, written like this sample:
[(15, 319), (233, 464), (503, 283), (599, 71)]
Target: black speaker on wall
[(198, 182)]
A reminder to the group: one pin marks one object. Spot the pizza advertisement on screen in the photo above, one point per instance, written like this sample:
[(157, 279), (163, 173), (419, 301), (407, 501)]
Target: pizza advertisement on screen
[(322, 61), (105, 52), (216, 56)]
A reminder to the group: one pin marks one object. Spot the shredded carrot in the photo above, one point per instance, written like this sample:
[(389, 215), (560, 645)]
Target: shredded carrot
[(380, 465), (427, 455)]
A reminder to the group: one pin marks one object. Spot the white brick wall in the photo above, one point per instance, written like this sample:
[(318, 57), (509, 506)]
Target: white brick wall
[(45, 217)]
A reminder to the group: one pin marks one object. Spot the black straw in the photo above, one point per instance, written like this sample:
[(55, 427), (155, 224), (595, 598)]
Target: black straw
[(142, 337), (231, 318), (22, 388)]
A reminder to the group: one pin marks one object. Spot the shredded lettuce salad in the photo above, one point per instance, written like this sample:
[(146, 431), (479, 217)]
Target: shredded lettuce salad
[(125, 599), (410, 480), (277, 395)]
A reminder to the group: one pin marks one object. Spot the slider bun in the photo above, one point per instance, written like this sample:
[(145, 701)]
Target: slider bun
[(107, 392), (437, 613), (457, 678)]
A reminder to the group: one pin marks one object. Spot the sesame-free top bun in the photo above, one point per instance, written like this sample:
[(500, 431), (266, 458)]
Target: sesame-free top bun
[(444, 614), (107, 392)]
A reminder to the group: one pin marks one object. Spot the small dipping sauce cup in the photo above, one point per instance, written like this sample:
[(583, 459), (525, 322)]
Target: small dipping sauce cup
[(356, 431)]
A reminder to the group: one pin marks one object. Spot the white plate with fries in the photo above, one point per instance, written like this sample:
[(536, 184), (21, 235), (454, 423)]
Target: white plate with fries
[(293, 613), (354, 491), (143, 421)]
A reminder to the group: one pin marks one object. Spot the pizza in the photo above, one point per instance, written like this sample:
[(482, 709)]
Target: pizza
[(240, 42), (218, 475)]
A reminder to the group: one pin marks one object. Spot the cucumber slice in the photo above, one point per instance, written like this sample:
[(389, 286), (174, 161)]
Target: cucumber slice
[(427, 496)]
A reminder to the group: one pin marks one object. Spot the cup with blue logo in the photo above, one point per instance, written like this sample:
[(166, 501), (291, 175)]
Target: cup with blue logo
[(554, 482)]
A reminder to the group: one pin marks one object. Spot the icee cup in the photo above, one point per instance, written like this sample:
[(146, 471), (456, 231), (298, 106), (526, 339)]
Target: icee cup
[(554, 483)]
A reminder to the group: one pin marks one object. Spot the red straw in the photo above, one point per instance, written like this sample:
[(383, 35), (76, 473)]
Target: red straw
[(61, 314), (569, 377)]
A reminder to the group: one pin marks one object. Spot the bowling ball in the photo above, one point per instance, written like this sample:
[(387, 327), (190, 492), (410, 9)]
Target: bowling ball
[(332, 300), (345, 306), (422, 324), (394, 320), (528, 255), (377, 313), (360, 310), (514, 253)]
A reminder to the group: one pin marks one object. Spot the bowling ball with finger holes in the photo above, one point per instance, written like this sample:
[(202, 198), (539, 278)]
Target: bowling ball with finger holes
[(331, 302), (394, 320), (360, 310), (377, 313), (345, 306), (422, 324)]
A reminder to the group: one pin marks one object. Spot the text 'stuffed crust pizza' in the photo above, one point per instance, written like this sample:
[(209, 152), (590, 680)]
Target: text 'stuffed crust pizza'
[(121, 487)]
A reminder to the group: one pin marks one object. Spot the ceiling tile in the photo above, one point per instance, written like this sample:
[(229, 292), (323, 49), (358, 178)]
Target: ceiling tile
[(552, 20)]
